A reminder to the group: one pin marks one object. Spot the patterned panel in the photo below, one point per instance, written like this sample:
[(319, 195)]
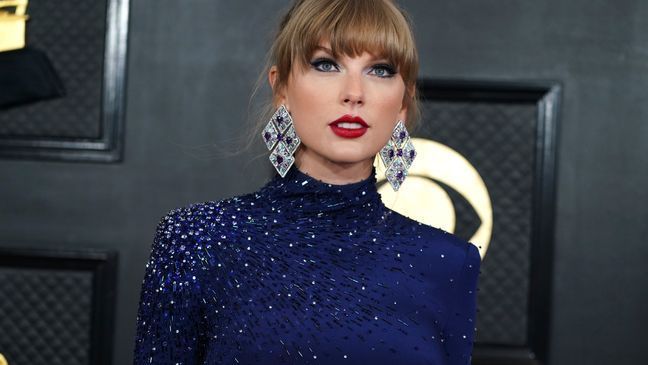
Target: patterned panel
[(498, 139), (45, 316), (71, 33)]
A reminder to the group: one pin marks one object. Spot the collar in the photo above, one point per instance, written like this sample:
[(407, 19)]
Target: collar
[(300, 192)]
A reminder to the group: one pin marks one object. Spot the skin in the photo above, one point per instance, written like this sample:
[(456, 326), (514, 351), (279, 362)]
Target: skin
[(317, 94)]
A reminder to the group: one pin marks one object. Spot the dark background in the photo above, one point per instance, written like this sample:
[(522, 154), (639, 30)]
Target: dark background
[(192, 66)]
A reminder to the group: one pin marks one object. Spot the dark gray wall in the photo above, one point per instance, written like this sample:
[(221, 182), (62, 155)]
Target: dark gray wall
[(193, 64)]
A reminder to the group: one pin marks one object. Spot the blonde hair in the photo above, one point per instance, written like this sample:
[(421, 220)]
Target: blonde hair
[(351, 27)]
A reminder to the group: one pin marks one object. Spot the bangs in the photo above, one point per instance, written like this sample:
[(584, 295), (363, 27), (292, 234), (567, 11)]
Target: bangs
[(353, 27)]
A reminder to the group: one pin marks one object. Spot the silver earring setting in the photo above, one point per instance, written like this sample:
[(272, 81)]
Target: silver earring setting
[(280, 133), (398, 155)]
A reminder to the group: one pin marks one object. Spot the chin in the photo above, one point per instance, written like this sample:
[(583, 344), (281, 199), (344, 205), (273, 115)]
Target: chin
[(348, 158), (343, 153)]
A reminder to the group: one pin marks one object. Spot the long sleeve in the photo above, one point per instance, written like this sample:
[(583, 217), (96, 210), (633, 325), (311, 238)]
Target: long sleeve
[(459, 330), (169, 314)]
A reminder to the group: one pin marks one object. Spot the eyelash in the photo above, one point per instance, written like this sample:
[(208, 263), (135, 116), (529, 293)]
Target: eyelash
[(389, 69)]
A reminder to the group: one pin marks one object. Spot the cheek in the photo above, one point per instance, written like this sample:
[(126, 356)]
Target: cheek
[(307, 92), (309, 105), (392, 100), (389, 103), (302, 95)]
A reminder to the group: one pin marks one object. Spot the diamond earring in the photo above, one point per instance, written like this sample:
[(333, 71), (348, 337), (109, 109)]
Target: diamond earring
[(280, 133), (398, 155)]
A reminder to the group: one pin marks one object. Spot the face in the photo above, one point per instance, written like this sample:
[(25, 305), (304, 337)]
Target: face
[(330, 88)]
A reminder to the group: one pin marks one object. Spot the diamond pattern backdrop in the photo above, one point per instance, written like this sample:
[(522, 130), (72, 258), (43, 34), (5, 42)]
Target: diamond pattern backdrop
[(498, 139), (45, 316)]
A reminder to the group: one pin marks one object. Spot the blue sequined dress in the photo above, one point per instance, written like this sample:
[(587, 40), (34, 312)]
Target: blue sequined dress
[(305, 272)]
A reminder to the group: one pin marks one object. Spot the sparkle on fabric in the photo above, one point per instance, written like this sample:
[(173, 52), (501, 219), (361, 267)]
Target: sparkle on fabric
[(305, 272)]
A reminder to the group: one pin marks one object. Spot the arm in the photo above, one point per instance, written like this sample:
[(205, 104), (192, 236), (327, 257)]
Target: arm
[(459, 330), (169, 311)]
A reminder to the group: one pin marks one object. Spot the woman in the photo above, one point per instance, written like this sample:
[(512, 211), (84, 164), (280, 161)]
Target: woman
[(313, 268)]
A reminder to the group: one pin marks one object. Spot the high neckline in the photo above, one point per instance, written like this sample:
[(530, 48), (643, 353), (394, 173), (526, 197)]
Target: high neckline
[(305, 193)]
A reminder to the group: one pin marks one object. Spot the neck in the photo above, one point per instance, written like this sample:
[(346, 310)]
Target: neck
[(337, 173), (299, 193)]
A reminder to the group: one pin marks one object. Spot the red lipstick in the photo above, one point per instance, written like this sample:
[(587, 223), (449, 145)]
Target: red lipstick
[(348, 131)]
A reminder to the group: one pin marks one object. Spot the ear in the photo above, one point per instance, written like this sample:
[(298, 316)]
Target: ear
[(402, 113), (409, 95), (278, 95)]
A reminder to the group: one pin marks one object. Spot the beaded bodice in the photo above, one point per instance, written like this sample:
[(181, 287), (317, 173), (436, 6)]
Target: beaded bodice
[(304, 272)]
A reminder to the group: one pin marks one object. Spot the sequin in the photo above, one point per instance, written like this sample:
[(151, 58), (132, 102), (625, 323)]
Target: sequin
[(305, 272)]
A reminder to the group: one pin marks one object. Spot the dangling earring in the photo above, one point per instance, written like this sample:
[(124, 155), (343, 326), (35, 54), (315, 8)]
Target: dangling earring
[(398, 155), (280, 132)]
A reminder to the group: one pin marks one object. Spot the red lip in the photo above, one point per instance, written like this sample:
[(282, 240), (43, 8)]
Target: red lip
[(347, 132), (350, 119)]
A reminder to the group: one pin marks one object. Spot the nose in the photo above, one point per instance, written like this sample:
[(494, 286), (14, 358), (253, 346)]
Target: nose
[(353, 92)]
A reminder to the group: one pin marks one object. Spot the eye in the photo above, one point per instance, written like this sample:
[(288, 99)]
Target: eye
[(383, 70), (324, 65)]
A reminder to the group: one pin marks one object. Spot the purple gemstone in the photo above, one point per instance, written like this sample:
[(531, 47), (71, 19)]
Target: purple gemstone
[(402, 135), (412, 154), (279, 159), (288, 140), (391, 153), (399, 175), (400, 152), (279, 136), (279, 119), (267, 136)]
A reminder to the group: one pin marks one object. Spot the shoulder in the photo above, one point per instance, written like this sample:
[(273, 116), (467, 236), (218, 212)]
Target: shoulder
[(198, 223), (197, 217), (456, 251), (181, 222), (184, 232)]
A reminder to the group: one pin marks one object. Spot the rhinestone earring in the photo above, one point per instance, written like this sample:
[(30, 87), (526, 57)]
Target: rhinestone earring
[(398, 155), (280, 133)]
